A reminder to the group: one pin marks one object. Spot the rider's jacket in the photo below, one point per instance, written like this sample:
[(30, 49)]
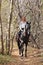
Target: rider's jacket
[(22, 25)]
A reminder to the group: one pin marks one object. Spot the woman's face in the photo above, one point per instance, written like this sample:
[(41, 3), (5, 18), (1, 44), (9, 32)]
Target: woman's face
[(23, 19)]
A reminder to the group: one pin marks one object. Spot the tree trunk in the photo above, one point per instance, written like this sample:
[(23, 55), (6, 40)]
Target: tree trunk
[(1, 31), (12, 44), (6, 45), (10, 28)]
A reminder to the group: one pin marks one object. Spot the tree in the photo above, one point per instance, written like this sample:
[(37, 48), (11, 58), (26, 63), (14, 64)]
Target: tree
[(1, 31), (10, 21)]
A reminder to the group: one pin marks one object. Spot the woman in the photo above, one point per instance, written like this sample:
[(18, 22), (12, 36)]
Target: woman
[(22, 25)]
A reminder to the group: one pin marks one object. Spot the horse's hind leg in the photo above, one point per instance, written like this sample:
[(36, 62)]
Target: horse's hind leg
[(25, 50)]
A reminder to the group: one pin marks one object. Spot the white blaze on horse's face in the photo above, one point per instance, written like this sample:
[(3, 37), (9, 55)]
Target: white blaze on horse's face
[(28, 31)]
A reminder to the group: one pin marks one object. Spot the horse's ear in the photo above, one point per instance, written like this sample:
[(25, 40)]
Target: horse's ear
[(27, 22)]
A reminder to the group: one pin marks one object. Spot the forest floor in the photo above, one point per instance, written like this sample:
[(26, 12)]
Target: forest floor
[(34, 57)]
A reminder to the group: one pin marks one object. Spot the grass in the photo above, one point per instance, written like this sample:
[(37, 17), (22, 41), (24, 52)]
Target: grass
[(6, 59)]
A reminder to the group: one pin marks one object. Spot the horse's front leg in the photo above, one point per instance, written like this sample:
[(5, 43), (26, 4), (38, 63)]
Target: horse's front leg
[(22, 50), (25, 50)]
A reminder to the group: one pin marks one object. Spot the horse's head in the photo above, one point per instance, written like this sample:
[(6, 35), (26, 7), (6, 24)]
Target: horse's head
[(27, 28)]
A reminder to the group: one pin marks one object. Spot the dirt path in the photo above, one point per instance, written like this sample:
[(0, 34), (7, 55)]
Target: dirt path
[(35, 57)]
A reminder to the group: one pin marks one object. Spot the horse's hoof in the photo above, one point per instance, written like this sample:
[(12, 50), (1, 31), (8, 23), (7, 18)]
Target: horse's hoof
[(19, 55), (22, 55), (25, 55)]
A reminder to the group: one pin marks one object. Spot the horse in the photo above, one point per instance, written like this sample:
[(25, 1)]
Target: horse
[(23, 39)]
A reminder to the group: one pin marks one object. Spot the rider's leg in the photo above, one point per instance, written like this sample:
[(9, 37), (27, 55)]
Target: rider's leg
[(19, 33)]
